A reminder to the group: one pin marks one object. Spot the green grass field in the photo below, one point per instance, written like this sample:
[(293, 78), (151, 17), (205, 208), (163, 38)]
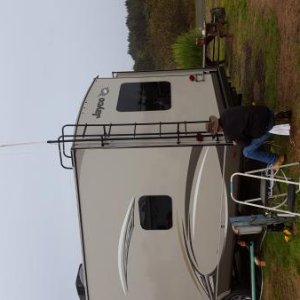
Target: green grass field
[(252, 59), (256, 47), (252, 56)]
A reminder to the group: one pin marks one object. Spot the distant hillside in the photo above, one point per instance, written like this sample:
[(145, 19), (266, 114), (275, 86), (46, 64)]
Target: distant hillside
[(153, 26)]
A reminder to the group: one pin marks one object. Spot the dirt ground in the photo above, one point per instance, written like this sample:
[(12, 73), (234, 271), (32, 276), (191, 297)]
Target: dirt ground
[(288, 92), (287, 96), (288, 17), (287, 13)]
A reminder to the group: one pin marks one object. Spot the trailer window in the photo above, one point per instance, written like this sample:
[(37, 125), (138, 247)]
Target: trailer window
[(144, 96), (155, 212)]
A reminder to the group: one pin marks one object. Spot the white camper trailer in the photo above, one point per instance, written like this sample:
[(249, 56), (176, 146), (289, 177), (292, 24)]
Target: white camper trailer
[(152, 186)]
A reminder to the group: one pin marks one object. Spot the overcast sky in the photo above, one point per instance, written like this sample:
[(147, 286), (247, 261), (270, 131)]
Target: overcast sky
[(50, 52)]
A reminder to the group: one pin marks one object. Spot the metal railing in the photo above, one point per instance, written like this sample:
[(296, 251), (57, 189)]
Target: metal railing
[(135, 135)]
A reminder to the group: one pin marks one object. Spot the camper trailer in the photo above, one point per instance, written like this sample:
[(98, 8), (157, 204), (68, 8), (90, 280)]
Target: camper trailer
[(152, 186)]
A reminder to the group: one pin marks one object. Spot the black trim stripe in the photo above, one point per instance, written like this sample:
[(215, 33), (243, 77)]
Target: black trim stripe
[(80, 224)]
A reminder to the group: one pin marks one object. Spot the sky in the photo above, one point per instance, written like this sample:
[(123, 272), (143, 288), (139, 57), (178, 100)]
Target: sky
[(50, 51)]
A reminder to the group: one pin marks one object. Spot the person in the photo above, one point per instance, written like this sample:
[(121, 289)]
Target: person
[(249, 126)]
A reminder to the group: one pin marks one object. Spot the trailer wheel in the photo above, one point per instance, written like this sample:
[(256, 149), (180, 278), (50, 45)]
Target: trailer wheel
[(238, 295)]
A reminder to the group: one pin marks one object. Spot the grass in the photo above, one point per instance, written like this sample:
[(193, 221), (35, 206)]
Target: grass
[(283, 261), (283, 265), (256, 48), (298, 57), (252, 61), (285, 255)]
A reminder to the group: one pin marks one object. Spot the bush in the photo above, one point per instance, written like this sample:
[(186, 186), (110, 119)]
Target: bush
[(185, 51)]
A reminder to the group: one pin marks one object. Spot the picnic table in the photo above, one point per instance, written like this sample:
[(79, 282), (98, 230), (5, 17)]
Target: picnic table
[(212, 32)]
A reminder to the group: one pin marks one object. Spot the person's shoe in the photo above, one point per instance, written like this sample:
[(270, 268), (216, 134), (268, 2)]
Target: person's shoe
[(279, 161), (285, 115)]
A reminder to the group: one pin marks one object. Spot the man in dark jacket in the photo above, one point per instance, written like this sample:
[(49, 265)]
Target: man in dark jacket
[(248, 126)]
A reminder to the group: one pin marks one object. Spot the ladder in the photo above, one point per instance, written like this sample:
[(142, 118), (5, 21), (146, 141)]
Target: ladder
[(135, 135)]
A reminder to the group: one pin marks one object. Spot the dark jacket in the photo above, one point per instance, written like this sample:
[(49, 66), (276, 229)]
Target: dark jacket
[(243, 123)]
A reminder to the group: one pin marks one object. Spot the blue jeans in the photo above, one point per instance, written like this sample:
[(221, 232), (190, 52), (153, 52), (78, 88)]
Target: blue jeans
[(252, 150)]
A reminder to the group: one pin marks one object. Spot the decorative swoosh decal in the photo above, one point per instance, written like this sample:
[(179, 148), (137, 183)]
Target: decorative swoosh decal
[(204, 282), (195, 154), (195, 200), (124, 243)]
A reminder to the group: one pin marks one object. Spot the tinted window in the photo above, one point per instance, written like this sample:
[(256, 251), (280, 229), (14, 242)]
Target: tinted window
[(141, 96), (155, 212)]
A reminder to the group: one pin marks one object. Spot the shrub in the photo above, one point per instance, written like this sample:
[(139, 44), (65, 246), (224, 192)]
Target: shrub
[(185, 51)]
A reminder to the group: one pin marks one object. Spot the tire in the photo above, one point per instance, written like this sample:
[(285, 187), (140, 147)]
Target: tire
[(238, 295)]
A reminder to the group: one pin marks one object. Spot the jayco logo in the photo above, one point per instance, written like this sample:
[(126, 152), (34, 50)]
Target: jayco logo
[(100, 108), (100, 105)]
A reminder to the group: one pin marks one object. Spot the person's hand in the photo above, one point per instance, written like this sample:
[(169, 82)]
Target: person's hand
[(234, 143)]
